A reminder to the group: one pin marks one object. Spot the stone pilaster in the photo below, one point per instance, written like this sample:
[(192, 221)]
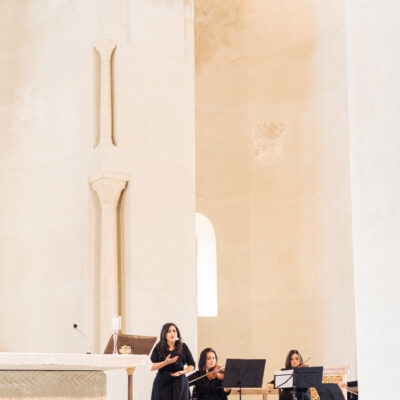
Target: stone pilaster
[(106, 49), (108, 187)]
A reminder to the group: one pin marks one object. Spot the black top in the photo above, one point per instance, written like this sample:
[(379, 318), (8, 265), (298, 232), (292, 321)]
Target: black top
[(185, 358), (207, 389), (354, 385)]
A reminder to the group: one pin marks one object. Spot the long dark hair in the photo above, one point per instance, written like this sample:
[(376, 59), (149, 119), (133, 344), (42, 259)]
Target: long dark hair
[(163, 340), (289, 357), (203, 359)]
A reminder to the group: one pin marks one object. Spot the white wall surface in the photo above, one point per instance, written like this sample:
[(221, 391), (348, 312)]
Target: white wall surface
[(374, 98)]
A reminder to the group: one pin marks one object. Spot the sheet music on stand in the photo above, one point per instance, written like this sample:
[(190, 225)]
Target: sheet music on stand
[(284, 379), (298, 378)]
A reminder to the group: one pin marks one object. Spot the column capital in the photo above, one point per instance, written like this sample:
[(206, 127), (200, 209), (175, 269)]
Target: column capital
[(105, 48), (108, 187)]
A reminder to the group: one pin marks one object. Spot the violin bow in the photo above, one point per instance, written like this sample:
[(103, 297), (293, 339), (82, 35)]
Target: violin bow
[(208, 373), (309, 358), (350, 391)]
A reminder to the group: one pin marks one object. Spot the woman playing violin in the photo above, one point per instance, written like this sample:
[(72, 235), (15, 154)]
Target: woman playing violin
[(208, 379), (293, 360)]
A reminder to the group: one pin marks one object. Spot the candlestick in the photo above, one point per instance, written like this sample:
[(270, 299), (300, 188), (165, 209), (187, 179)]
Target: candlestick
[(116, 323)]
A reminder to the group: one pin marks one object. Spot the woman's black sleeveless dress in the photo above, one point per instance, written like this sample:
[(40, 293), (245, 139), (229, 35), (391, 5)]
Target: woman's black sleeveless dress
[(165, 386)]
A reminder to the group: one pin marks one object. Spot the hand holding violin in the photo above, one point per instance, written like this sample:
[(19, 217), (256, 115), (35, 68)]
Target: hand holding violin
[(216, 373), (304, 363)]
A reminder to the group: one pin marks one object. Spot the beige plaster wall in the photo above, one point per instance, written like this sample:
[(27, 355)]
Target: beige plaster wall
[(273, 177), (156, 86), (49, 256), (374, 89), (46, 106)]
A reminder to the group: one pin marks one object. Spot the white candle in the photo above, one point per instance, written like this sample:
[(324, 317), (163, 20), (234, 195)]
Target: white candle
[(116, 323)]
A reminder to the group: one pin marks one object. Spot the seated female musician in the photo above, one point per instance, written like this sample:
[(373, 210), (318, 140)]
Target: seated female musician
[(208, 384), (293, 360)]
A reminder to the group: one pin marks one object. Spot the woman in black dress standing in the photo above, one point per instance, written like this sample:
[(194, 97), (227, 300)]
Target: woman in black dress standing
[(293, 360), (208, 387), (169, 357)]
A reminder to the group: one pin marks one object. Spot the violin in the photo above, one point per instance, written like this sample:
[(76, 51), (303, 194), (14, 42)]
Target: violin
[(217, 372)]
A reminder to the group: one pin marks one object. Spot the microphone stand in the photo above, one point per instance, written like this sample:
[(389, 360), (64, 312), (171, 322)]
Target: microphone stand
[(75, 326)]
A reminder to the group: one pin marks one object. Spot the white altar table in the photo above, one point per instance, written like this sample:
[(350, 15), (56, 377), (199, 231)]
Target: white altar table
[(48, 376)]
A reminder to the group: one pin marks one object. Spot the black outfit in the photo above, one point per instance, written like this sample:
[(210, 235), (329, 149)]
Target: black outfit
[(301, 394), (354, 385), (286, 394), (207, 389), (165, 386)]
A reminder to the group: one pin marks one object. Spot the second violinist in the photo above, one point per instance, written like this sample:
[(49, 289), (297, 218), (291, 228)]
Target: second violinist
[(293, 360), (207, 381)]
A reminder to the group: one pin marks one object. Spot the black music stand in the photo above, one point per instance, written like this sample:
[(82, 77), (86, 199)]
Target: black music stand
[(243, 374), (307, 377), (329, 391), (299, 378)]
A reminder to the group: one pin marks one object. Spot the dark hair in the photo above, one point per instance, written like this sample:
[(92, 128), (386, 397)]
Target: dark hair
[(164, 348), (203, 359), (289, 357)]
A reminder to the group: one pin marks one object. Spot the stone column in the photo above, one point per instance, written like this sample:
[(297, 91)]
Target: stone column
[(106, 49), (108, 187)]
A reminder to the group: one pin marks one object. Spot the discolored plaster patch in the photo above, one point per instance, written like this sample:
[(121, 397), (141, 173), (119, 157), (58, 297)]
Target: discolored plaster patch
[(214, 24), (267, 142)]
